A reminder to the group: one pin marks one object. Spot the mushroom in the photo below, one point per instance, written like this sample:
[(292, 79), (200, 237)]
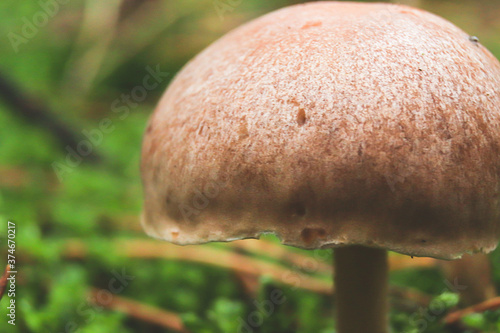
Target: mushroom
[(474, 274), (354, 126)]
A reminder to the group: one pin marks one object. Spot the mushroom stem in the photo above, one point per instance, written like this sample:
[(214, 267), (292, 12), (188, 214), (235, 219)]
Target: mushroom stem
[(361, 289)]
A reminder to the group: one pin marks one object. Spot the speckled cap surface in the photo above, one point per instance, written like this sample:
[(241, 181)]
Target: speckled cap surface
[(328, 124)]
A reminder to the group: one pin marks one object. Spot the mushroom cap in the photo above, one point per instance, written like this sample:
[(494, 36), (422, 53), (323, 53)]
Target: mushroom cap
[(331, 124)]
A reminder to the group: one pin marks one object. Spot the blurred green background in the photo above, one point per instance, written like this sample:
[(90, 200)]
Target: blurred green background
[(84, 264)]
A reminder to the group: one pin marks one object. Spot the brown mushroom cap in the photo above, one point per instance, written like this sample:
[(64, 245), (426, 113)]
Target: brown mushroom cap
[(328, 124)]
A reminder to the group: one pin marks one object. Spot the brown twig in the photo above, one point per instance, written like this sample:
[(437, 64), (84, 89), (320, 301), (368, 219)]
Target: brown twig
[(3, 281), (287, 255), (280, 252), (283, 253), (208, 255), (454, 317), (219, 257), (397, 262), (140, 311), (14, 176)]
